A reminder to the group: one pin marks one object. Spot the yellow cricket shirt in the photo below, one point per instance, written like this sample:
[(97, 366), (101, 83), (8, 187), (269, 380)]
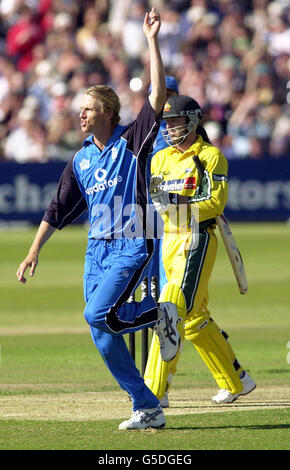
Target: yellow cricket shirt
[(181, 177)]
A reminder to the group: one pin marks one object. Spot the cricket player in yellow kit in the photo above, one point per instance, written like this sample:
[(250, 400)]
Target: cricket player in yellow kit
[(188, 207)]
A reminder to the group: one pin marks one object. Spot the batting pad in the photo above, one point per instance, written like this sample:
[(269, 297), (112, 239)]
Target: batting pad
[(157, 371), (173, 293), (158, 374), (215, 351)]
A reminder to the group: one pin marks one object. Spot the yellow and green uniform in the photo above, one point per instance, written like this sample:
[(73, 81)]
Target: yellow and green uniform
[(188, 265)]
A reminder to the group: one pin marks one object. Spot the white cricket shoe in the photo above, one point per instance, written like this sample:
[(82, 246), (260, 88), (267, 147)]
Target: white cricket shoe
[(164, 402), (166, 329), (224, 396), (143, 419)]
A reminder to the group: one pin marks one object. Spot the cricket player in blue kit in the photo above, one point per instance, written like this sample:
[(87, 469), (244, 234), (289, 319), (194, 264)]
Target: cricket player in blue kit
[(107, 177)]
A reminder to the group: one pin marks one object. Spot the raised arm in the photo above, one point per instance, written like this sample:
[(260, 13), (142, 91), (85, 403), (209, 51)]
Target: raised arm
[(43, 234), (151, 27)]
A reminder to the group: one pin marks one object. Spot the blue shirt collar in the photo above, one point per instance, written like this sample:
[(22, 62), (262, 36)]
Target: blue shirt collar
[(118, 131)]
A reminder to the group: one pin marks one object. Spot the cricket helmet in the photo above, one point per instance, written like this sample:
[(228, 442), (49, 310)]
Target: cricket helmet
[(181, 106)]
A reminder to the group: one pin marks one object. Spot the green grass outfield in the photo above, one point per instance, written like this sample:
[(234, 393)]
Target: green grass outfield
[(56, 394)]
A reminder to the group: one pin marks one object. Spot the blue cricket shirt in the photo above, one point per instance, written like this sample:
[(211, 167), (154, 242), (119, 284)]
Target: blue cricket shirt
[(110, 184)]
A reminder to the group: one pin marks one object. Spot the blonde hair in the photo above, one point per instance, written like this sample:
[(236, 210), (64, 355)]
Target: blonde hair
[(107, 99)]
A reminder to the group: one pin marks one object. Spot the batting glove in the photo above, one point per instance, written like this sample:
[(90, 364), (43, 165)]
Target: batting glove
[(155, 183), (160, 198)]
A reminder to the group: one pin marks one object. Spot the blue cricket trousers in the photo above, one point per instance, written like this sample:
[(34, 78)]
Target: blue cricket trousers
[(112, 271)]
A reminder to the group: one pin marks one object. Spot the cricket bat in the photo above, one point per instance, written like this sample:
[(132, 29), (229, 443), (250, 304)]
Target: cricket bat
[(233, 252), (231, 246)]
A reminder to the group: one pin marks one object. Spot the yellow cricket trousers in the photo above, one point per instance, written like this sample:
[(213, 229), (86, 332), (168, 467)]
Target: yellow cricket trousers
[(188, 267)]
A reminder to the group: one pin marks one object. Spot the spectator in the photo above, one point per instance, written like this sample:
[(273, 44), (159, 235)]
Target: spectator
[(26, 143), (280, 140), (279, 36), (23, 36), (8, 9), (132, 39), (170, 36), (86, 37), (62, 138), (240, 73)]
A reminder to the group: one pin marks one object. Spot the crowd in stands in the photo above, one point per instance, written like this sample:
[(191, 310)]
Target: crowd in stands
[(233, 57)]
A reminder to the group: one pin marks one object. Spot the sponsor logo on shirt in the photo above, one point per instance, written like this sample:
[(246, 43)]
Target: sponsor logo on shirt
[(100, 174), (102, 182), (219, 177), (189, 182), (178, 185), (172, 185)]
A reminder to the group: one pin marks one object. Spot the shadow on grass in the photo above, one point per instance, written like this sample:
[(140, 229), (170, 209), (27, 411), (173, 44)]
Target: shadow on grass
[(251, 427), (235, 406)]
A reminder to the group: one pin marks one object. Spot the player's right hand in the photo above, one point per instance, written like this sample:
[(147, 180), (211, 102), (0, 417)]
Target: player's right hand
[(155, 183), (31, 261)]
